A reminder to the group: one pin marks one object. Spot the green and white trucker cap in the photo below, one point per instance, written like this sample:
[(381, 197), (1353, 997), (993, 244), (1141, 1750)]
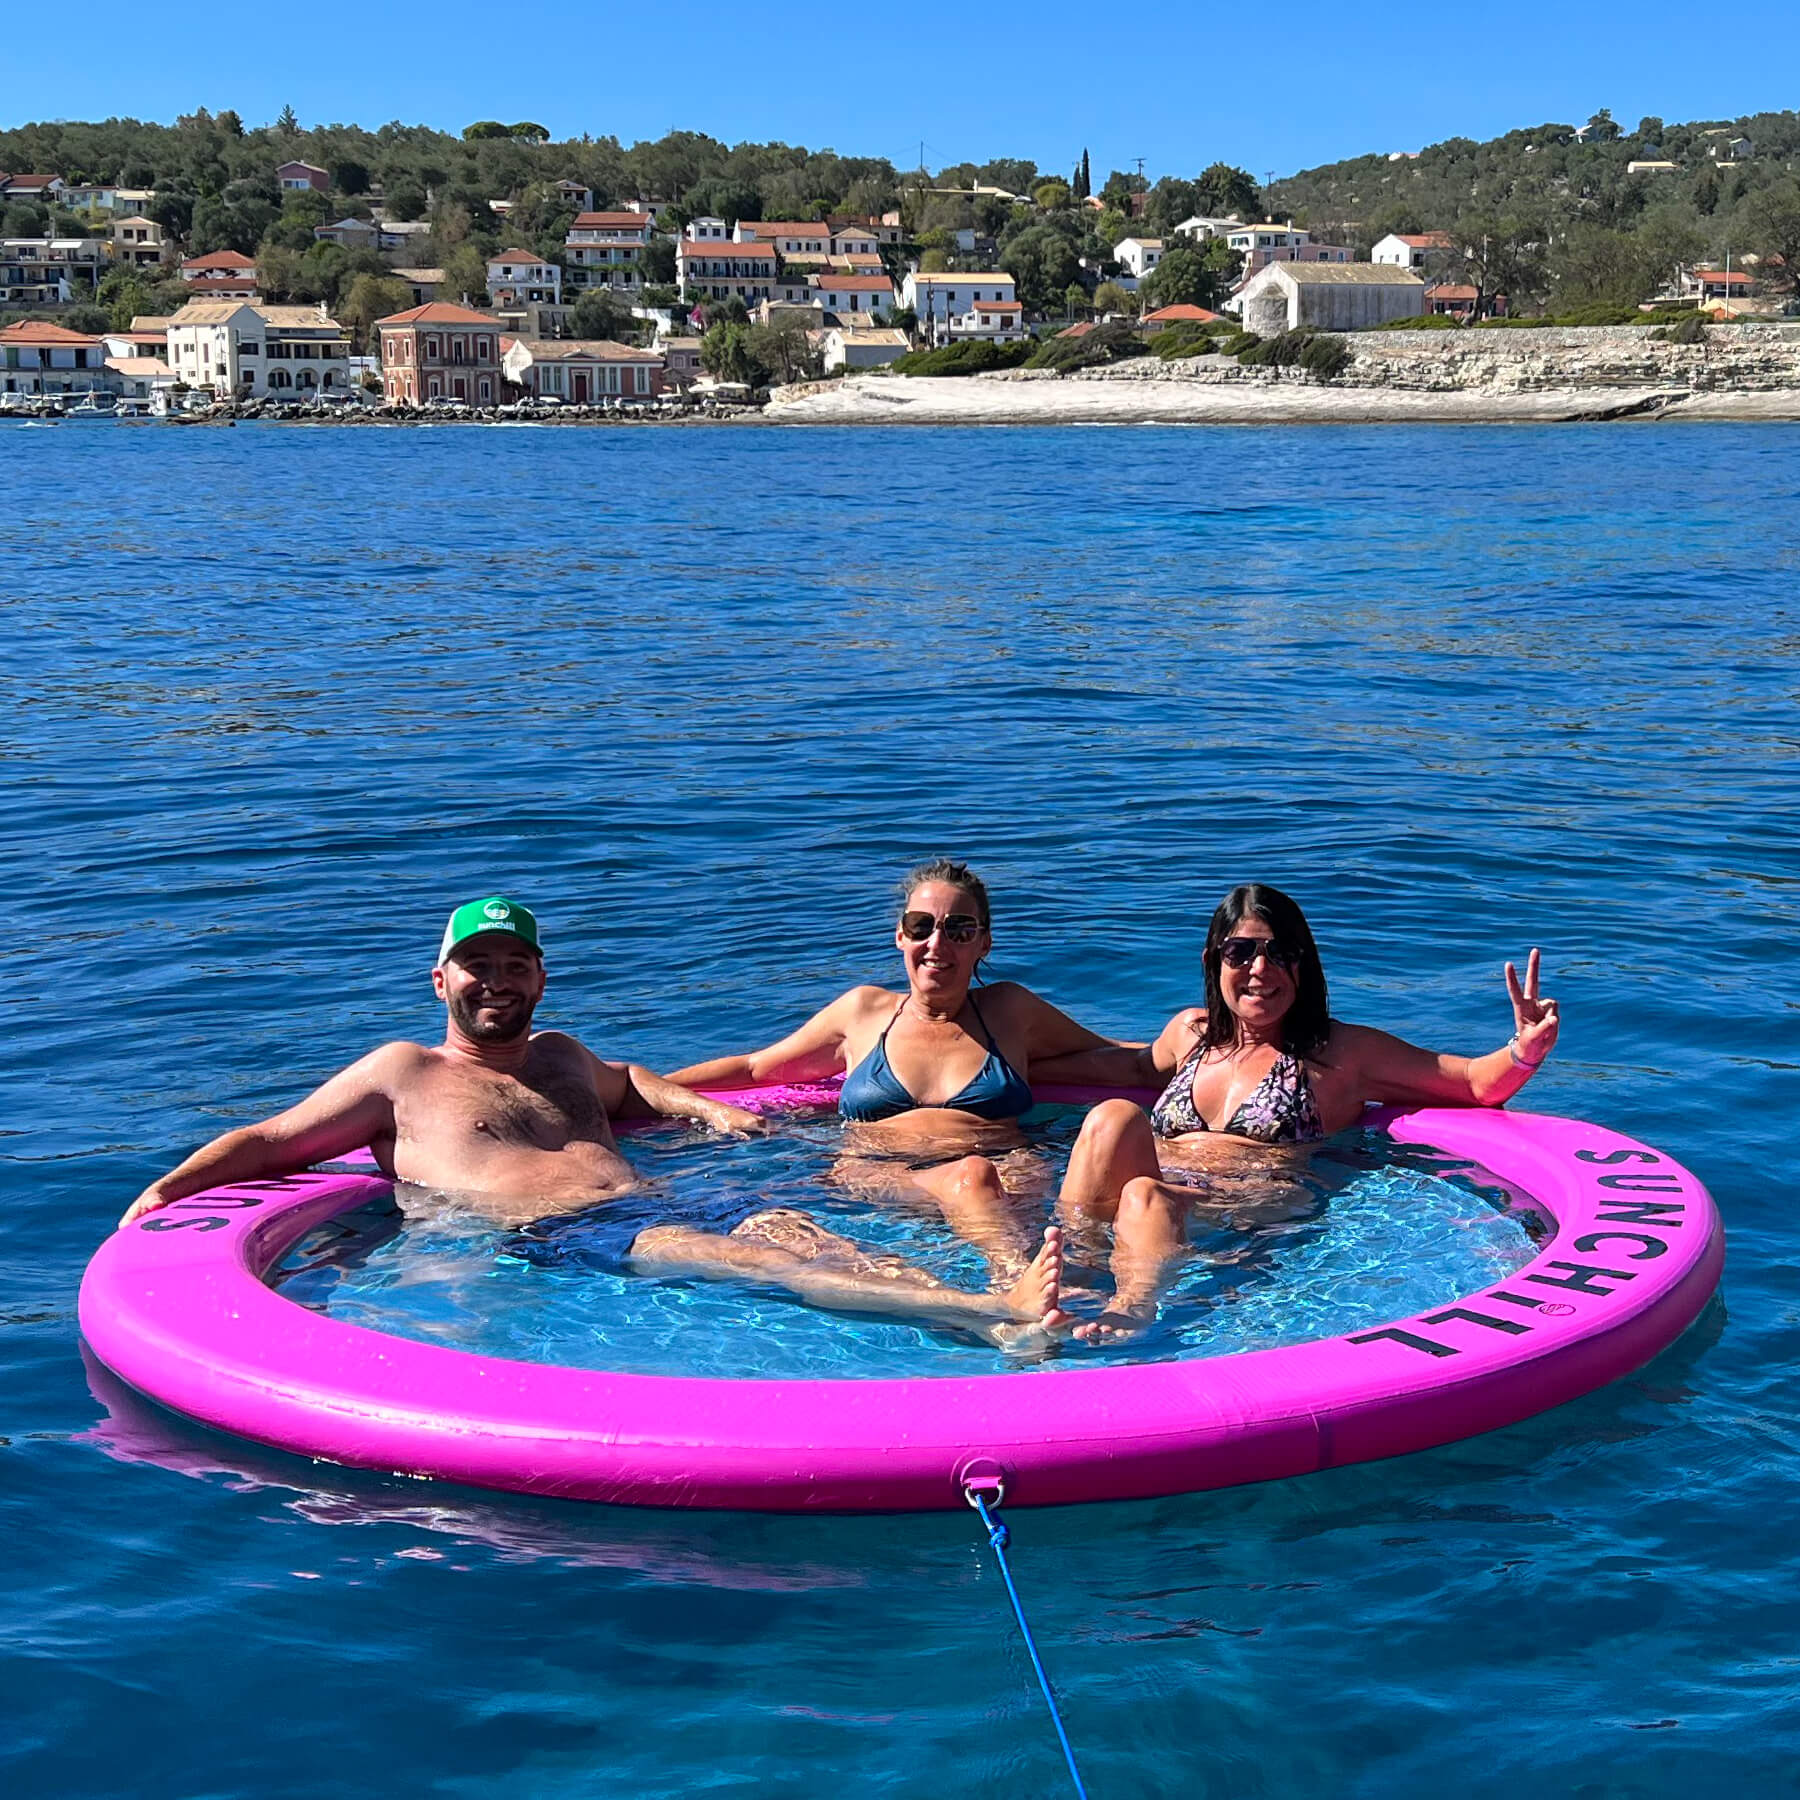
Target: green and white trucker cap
[(495, 913)]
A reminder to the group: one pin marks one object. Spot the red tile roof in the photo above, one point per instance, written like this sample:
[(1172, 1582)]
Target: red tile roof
[(1427, 240), (37, 331), (438, 312), (220, 261), (855, 284), (785, 228), (1170, 315), (601, 221), (1737, 278), (1455, 291)]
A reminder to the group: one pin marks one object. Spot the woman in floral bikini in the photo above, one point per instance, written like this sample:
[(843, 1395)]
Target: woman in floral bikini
[(1262, 1060)]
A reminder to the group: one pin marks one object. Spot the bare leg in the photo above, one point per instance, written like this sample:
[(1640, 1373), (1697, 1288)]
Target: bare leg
[(1116, 1145), (971, 1195), (1149, 1240), (788, 1250)]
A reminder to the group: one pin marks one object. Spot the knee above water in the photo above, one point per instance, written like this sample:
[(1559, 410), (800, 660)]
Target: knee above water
[(1112, 1119)]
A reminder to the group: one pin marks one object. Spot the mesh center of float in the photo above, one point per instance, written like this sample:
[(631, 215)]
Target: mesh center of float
[(1285, 1249)]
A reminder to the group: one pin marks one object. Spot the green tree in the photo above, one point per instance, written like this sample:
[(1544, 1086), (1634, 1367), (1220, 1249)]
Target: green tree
[(1051, 196), (1075, 301), (349, 176), (483, 130), (405, 200), (1223, 190), (725, 354), (1592, 266), (529, 133), (782, 353), (658, 261), (1771, 223), (1188, 277), (288, 124), (1602, 128), (598, 314), (1042, 261), (465, 275), (1109, 297), (371, 297)]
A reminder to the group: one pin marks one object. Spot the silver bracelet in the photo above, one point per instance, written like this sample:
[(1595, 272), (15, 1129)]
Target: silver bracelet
[(1512, 1050)]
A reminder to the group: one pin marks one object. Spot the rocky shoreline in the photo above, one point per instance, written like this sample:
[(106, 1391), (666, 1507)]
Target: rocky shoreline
[(1553, 375)]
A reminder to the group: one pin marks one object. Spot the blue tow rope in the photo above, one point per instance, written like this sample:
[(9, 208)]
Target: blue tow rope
[(998, 1536)]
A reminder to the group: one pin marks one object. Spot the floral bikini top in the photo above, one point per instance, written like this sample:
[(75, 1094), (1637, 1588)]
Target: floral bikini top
[(1279, 1110)]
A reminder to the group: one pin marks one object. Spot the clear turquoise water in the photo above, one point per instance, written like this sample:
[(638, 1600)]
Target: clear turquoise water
[(275, 699), (1362, 1232)]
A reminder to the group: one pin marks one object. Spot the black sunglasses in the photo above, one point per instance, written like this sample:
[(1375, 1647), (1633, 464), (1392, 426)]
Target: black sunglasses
[(1241, 952), (959, 928)]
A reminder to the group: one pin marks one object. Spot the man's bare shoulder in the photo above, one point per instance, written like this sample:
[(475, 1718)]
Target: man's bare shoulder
[(561, 1044), (391, 1065)]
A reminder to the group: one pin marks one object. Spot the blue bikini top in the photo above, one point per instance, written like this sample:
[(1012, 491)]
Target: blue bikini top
[(873, 1091)]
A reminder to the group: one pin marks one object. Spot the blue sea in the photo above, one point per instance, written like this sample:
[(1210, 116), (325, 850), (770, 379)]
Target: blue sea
[(277, 698)]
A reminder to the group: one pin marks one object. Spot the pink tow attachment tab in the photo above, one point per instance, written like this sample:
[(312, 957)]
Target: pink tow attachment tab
[(981, 1479)]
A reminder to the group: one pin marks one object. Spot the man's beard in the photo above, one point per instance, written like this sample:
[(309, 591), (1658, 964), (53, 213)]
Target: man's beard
[(502, 1027)]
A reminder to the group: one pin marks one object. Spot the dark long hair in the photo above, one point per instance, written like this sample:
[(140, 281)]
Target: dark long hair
[(1308, 1021)]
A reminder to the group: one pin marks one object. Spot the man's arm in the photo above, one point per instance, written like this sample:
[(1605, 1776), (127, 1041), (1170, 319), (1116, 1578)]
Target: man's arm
[(350, 1109), (630, 1091)]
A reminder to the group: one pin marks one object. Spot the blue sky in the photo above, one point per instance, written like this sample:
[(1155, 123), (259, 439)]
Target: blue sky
[(1281, 90)]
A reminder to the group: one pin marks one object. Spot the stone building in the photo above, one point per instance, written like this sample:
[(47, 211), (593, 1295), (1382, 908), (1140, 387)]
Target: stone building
[(1328, 297)]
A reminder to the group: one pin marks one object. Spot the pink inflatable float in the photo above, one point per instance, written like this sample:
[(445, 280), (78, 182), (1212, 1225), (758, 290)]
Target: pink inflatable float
[(176, 1304)]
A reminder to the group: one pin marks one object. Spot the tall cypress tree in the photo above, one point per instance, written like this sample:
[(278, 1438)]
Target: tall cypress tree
[(1087, 175)]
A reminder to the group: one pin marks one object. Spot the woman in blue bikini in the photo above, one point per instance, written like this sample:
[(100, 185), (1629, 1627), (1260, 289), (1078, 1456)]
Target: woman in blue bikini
[(929, 1073), (1262, 1060)]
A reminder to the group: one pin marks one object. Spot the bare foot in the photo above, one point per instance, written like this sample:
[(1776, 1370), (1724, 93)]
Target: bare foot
[(1118, 1325), (1035, 1301)]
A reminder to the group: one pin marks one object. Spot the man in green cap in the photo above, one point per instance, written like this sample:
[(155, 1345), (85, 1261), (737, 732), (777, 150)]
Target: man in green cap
[(519, 1119)]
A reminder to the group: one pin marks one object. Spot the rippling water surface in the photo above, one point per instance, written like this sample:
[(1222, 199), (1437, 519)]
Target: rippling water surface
[(275, 699)]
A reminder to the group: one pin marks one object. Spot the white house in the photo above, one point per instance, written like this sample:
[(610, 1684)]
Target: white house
[(38, 358), (46, 271), (993, 321), (940, 298), (846, 295), (793, 237), (854, 240), (1329, 296), (519, 278), (713, 271), (233, 347), (1408, 250), (1138, 255), (107, 198), (1260, 245), (582, 371), (849, 349), (606, 249), (707, 229), (1202, 226), (137, 242)]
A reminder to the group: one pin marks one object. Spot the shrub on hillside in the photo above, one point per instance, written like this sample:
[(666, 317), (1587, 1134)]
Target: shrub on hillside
[(1419, 322), (1691, 330), (1321, 354), (967, 358), (1238, 343), (1108, 343)]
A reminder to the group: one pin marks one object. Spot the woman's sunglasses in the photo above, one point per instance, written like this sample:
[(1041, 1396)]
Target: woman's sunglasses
[(1241, 952), (959, 928)]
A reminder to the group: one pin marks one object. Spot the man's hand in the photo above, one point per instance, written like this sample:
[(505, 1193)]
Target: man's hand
[(735, 1121)]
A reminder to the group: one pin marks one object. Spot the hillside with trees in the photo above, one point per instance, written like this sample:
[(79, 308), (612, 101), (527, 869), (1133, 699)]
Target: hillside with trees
[(1554, 215), (214, 178)]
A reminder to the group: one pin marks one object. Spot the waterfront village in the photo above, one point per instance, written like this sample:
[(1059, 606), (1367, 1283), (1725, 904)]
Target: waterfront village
[(654, 308)]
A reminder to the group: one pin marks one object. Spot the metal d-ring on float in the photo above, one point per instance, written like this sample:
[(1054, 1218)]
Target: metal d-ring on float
[(176, 1304)]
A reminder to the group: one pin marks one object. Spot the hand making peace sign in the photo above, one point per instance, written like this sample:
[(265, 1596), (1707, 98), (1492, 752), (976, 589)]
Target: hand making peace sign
[(1534, 1016)]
